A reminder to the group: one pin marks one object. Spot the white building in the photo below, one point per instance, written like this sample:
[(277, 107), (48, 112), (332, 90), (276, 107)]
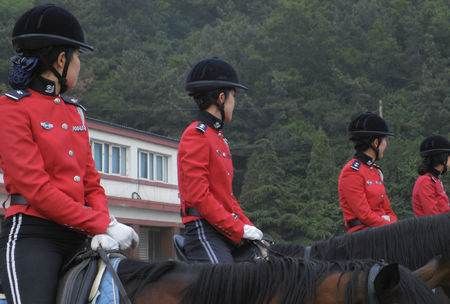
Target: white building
[(139, 173)]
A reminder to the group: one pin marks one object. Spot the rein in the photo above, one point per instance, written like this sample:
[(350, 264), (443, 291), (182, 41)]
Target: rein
[(105, 259), (371, 294)]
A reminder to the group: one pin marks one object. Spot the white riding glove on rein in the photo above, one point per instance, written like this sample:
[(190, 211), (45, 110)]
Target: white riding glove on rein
[(123, 234), (252, 233), (104, 241), (386, 218)]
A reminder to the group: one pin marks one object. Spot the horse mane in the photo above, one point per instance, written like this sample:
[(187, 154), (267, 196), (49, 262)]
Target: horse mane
[(290, 280), (135, 275), (395, 242)]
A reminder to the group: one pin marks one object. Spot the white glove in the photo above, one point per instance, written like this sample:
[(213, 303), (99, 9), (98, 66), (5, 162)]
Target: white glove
[(252, 233), (386, 218), (104, 241), (123, 234)]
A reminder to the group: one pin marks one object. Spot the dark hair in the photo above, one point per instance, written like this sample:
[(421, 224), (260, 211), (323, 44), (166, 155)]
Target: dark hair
[(31, 63), (361, 144), (429, 162), (207, 98), (48, 56)]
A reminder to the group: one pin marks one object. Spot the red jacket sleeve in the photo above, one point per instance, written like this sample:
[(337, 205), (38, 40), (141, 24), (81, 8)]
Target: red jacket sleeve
[(353, 189), (388, 210), (238, 210), (94, 193), (427, 198), (24, 166), (195, 189)]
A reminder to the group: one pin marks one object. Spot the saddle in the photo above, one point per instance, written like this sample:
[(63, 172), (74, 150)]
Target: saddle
[(259, 249), (81, 279)]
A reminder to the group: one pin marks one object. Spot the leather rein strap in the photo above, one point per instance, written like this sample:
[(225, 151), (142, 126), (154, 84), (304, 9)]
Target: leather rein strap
[(110, 268), (371, 294)]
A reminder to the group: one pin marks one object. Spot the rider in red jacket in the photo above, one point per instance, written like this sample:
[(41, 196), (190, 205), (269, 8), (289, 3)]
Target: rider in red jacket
[(429, 195), (214, 221), (362, 194), (56, 200)]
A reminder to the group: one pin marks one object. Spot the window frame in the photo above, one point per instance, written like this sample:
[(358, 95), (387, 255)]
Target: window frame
[(107, 155), (152, 173)]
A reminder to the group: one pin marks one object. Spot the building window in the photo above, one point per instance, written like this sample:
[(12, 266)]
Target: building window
[(110, 158), (153, 166)]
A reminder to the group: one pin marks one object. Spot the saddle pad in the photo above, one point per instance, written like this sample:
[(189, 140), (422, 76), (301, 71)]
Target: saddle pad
[(107, 293)]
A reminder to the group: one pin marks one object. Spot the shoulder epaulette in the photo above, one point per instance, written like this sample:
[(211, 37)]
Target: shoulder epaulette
[(17, 94), (201, 126), (74, 101), (356, 165)]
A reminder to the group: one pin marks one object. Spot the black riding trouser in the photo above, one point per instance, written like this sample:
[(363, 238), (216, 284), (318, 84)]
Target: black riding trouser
[(203, 243), (32, 253)]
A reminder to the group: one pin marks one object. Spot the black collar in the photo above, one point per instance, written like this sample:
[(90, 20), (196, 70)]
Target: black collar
[(435, 172), (364, 158), (210, 120), (44, 86)]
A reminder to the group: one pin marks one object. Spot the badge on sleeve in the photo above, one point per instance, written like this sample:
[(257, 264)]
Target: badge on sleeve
[(355, 165), (17, 94), (201, 127)]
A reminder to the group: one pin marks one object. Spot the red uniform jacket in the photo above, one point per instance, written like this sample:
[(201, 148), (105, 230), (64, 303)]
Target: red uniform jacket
[(429, 196), (362, 195), (205, 177), (46, 157)]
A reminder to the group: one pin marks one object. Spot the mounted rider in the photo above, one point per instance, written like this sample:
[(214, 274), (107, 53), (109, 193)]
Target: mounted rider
[(215, 224), (429, 197), (56, 197), (362, 194)]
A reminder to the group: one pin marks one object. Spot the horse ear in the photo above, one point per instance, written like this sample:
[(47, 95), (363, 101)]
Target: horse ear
[(387, 279)]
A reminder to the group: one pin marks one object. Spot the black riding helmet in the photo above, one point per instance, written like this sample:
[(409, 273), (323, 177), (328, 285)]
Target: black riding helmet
[(433, 145), (208, 77), (39, 32), (365, 128), (48, 25), (210, 74), (434, 150), (368, 124)]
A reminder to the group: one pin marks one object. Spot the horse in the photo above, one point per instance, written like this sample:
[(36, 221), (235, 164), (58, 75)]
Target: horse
[(281, 280), (410, 242)]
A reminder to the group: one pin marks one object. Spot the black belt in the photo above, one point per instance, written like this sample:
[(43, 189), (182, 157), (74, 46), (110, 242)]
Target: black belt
[(191, 212), (17, 199), (353, 223)]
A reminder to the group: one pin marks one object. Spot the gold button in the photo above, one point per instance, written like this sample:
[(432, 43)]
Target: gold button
[(71, 153), (76, 178), (64, 126), (57, 100)]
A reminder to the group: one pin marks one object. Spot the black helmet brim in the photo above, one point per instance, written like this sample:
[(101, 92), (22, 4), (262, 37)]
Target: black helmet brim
[(37, 41), (370, 133), (205, 85), (433, 151)]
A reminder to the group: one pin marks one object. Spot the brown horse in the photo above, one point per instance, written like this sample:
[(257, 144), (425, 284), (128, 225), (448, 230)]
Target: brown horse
[(282, 280), (411, 242)]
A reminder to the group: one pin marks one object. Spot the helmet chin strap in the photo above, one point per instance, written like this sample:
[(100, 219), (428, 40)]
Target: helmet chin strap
[(377, 150), (221, 107), (445, 166), (62, 77)]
